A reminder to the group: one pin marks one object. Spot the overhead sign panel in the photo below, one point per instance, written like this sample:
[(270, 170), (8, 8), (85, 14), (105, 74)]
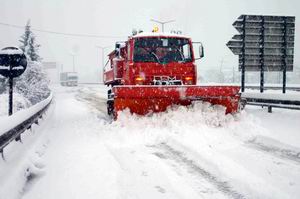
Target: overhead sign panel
[(264, 43), (272, 24), (49, 65)]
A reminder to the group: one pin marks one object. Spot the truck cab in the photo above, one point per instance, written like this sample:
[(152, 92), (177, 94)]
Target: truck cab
[(152, 71), (152, 59)]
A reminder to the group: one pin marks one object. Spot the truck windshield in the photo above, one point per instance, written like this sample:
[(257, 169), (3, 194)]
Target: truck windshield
[(162, 50)]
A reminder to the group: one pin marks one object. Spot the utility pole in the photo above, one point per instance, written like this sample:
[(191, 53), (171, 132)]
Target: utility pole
[(162, 23), (73, 63), (221, 71), (59, 71), (221, 65), (233, 75), (73, 57), (102, 48)]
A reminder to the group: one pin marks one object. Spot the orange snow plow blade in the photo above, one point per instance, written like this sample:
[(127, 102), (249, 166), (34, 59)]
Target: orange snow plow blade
[(145, 99)]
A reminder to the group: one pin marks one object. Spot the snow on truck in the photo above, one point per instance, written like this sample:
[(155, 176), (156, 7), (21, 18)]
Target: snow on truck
[(151, 71), (68, 79)]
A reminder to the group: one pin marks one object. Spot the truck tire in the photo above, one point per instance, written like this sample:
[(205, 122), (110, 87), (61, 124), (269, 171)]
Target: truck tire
[(110, 107), (110, 102), (242, 104)]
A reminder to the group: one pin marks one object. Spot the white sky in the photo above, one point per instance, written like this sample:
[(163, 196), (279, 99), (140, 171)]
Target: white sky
[(207, 21)]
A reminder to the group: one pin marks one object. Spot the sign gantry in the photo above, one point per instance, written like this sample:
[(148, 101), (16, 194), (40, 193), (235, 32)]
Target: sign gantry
[(264, 43)]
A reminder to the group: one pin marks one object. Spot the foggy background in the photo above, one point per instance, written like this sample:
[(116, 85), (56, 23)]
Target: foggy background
[(207, 21)]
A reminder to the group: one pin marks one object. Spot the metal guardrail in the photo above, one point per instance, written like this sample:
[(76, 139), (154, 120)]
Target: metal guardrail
[(273, 103), (291, 88), (15, 133), (90, 83)]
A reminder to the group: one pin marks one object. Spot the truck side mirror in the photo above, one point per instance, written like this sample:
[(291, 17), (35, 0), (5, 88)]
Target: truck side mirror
[(117, 46), (117, 49), (200, 50)]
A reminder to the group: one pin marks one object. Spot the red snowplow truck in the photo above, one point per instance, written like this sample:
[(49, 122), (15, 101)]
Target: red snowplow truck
[(151, 71)]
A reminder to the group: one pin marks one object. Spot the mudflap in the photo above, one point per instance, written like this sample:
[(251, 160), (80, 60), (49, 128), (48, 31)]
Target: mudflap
[(146, 99)]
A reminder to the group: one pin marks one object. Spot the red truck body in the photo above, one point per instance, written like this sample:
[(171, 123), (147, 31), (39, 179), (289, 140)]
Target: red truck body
[(151, 71)]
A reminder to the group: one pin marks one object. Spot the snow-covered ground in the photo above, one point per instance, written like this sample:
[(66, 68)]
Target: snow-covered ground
[(197, 152)]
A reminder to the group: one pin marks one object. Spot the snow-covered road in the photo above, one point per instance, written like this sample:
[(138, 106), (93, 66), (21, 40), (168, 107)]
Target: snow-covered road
[(183, 153)]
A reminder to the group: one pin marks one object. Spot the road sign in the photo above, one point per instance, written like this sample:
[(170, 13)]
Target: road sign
[(13, 62), (49, 65), (265, 43)]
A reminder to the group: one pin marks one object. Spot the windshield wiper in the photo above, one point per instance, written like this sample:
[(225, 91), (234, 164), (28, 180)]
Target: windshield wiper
[(181, 54), (152, 53)]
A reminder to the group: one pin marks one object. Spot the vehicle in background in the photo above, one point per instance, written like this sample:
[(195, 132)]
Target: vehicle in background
[(68, 79)]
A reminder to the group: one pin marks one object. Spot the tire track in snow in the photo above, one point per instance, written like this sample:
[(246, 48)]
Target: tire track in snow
[(94, 101), (274, 150), (178, 157)]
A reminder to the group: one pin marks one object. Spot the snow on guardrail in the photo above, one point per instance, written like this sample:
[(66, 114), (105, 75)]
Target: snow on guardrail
[(295, 96), (274, 99), (9, 122), (13, 126)]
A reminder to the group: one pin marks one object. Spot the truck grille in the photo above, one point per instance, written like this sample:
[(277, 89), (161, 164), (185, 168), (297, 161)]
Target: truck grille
[(166, 80)]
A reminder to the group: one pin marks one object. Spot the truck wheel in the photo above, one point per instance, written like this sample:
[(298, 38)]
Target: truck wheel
[(110, 102), (242, 104), (109, 94), (110, 107)]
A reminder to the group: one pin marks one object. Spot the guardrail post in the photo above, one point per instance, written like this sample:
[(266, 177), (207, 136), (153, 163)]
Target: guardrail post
[(36, 122), (269, 109), (18, 138), (2, 154)]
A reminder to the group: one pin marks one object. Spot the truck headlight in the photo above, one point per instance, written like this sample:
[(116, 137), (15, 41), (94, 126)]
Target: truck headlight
[(188, 80)]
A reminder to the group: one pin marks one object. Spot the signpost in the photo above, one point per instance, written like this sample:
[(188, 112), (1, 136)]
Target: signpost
[(265, 43), (13, 63)]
